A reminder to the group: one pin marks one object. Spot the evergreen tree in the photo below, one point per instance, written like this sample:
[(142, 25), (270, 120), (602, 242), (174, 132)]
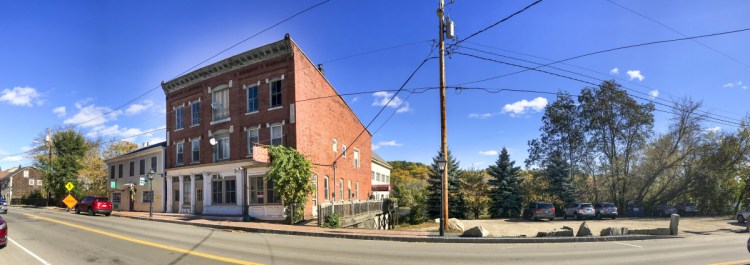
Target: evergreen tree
[(507, 199), (561, 184), (456, 203)]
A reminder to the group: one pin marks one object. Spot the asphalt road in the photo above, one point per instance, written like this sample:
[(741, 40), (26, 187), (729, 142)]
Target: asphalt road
[(41, 236)]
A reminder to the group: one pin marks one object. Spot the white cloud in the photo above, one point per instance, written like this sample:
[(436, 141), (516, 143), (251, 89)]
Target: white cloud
[(15, 158), (391, 143), (714, 129), (614, 71), (480, 116), (59, 111), (654, 93), (744, 87), (139, 107), (382, 98), (88, 113), (476, 164), (523, 106), (375, 147), (635, 74), (488, 153), (355, 99), (22, 96), (735, 84), (729, 85), (82, 102), (26, 148)]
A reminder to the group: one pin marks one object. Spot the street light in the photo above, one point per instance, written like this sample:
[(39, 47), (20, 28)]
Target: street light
[(150, 175), (441, 166)]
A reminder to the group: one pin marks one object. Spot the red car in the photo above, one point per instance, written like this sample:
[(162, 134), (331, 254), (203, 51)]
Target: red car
[(94, 205), (3, 233)]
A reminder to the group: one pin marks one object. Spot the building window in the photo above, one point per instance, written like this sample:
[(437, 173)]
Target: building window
[(349, 189), (276, 94), (199, 195), (178, 118), (373, 175), (119, 171), (31, 182), (252, 99), (132, 168), (252, 139), (335, 145), (216, 192), (230, 191), (325, 187), (315, 188), (196, 148), (221, 149), (153, 163), (273, 197), (112, 172), (180, 155), (176, 196), (276, 135), (116, 197), (186, 191), (343, 150), (356, 158), (220, 104), (39, 182), (257, 190), (341, 189), (147, 196), (195, 113)]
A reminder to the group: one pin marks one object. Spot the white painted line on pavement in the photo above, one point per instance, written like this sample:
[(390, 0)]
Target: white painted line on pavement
[(629, 245), (29, 251)]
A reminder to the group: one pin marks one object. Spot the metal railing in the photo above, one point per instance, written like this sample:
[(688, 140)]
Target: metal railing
[(349, 209)]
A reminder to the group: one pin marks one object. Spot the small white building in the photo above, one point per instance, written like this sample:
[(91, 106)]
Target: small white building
[(129, 188), (381, 178)]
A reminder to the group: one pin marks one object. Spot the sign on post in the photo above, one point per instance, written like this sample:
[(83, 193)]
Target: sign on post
[(142, 181), (70, 201), (69, 186), (113, 184)]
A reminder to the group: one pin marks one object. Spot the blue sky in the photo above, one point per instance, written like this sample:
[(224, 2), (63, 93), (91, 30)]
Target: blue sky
[(66, 63)]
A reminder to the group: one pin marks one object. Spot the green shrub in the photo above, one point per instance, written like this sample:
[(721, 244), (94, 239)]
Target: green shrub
[(332, 220)]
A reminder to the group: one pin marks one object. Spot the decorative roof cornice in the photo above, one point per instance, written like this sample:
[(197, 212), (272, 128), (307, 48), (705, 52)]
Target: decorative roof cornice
[(282, 47)]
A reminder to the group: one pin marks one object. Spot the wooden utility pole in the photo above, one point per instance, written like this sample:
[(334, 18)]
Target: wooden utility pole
[(443, 124)]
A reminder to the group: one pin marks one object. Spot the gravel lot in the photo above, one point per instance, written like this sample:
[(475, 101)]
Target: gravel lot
[(689, 226)]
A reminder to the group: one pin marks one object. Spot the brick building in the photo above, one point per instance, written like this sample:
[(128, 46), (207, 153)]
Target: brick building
[(19, 181), (271, 95)]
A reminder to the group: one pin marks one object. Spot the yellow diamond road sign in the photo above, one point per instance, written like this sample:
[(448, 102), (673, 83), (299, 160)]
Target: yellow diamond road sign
[(69, 186), (70, 201)]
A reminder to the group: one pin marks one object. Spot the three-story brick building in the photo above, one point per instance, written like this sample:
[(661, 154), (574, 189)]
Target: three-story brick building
[(271, 95)]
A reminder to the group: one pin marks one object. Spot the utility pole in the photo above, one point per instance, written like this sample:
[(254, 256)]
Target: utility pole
[(48, 139), (443, 124)]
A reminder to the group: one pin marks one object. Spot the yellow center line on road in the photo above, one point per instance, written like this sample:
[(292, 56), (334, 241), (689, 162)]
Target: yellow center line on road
[(147, 243), (746, 261)]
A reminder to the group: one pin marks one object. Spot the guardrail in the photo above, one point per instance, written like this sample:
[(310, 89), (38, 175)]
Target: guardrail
[(348, 209)]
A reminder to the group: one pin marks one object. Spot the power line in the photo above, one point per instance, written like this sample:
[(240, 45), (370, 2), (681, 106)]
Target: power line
[(206, 60), (680, 33), (582, 81), (598, 79), (615, 49), (496, 23)]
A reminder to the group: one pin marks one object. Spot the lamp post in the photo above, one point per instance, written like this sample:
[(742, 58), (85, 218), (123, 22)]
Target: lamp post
[(150, 175), (441, 166)]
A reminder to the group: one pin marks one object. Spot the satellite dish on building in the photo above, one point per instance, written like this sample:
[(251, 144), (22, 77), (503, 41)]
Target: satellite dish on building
[(212, 141)]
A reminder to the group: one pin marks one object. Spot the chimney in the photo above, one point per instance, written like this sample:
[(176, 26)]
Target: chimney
[(320, 69)]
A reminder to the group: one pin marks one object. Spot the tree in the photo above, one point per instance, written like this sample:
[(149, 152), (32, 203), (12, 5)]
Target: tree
[(69, 149), (119, 148), (561, 186), (292, 178), (506, 196), (475, 192), (456, 204), (93, 174)]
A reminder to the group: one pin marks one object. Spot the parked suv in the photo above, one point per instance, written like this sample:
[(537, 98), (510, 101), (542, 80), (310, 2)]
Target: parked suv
[(539, 210), (579, 210), (94, 205), (687, 208), (605, 210)]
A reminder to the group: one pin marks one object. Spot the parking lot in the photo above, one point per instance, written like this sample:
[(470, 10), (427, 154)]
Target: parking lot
[(689, 226)]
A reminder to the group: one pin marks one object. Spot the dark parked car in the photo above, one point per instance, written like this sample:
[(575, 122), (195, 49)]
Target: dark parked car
[(579, 210), (664, 210), (605, 210), (3, 205), (3, 233), (687, 208), (539, 210), (94, 205)]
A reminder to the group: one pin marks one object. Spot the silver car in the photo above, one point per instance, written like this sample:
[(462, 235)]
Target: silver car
[(743, 215), (579, 210), (3, 206)]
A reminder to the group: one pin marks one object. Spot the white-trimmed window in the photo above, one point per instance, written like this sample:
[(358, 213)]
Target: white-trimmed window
[(356, 158), (195, 147), (116, 197), (275, 94), (142, 167), (343, 150), (335, 145), (325, 187), (147, 196), (356, 191), (252, 98), (220, 103), (349, 189), (276, 135), (39, 182), (221, 149), (31, 182), (178, 117), (341, 189), (180, 156), (373, 175), (252, 139), (132, 168), (262, 191), (195, 113)]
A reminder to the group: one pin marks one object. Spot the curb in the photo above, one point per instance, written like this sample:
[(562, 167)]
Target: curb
[(429, 239)]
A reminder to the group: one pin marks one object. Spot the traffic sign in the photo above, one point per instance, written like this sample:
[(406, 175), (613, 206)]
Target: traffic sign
[(69, 186), (113, 184), (70, 201), (142, 181)]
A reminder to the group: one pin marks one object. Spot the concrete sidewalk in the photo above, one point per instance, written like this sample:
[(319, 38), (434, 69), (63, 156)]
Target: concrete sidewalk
[(236, 223)]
